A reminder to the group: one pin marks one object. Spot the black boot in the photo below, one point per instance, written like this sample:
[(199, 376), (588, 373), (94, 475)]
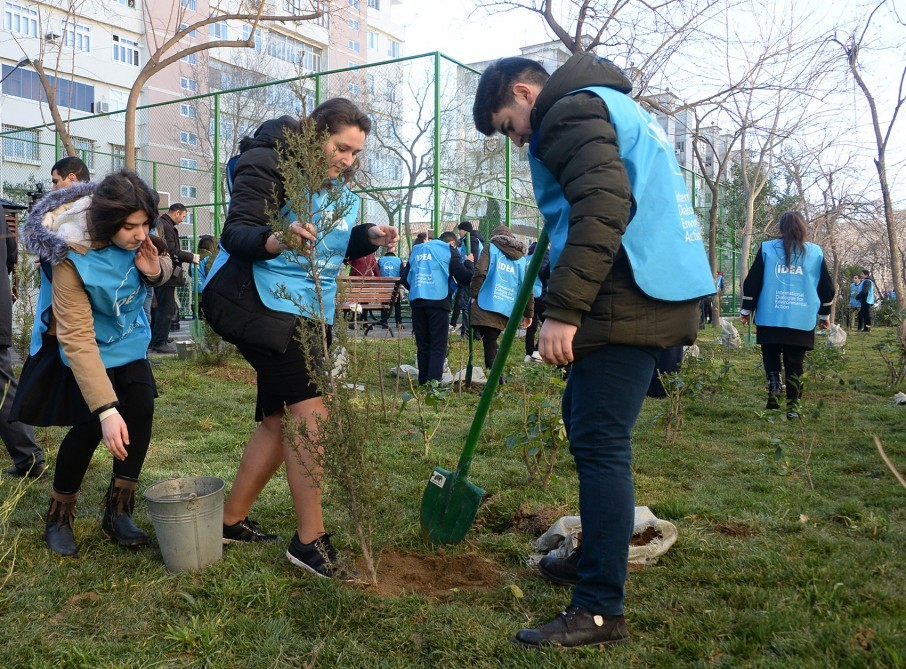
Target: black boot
[(576, 627), (58, 524), (775, 390), (564, 571), (117, 524)]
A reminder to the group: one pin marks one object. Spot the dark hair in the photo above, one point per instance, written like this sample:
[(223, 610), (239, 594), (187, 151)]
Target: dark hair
[(865, 272), (465, 225), (71, 165), (793, 232), (177, 207), (207, 243), (333, 115), (115, 198), (448, 236), (495, 88)]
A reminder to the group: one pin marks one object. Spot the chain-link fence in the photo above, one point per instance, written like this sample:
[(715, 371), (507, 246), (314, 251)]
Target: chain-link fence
[(425, 167)]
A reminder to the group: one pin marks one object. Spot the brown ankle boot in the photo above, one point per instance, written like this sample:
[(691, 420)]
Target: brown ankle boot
[(58, 524), (117, 523)]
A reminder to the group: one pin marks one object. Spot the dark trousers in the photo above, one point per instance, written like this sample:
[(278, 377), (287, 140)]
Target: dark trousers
[(162, 315), (534, 327), (489, 337), (601, 404), (865, 316), (397, 313), (429, 327), (79, 444), (18, 438), (461, 304), (793, 359)]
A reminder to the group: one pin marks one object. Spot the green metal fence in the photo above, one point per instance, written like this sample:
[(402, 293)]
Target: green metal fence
[(425, 166)]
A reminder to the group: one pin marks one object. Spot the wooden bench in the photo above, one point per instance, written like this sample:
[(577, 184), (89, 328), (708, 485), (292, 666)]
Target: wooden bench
[(359, 294)]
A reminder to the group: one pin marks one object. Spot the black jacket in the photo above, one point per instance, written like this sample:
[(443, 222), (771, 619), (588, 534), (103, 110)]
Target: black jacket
[(166, 230), (258, 188), (592, 284), (8, 256)]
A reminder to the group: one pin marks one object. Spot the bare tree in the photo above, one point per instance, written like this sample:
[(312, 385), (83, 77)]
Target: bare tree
[(851, 46)]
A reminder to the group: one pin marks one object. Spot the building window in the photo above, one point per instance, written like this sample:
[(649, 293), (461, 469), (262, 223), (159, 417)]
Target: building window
[(85, 147), (369, 78), (192, 34), (324, 19), (188, 4), (373, 40), (22, 83), (125, 51), (310, 58), (190, 192), (375, 4), (352, 23), (188, 163), (188, 84), (189, 138), (393, 48), (353, 45), (188, 111), (20, 19), (354, 89), (117, 157), (189, 58), (219, 30), (118, 101), (76, 36), (391, 91), (259, 37), (354, 4), (21, 146)]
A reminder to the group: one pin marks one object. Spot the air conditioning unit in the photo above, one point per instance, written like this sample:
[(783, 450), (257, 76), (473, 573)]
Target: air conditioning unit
[(164, 203), (100, 107)]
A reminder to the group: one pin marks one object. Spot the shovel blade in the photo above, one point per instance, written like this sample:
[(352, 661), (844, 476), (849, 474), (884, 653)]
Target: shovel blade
[(196, 330), (449, 506)]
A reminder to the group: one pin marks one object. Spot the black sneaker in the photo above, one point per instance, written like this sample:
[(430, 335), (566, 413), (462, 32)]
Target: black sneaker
[(319, 557), (36, 471), (576, 627), (245, 531), (564, 571)]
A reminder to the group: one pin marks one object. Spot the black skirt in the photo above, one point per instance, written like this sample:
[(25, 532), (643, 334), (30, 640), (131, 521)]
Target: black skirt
[(48, 393)]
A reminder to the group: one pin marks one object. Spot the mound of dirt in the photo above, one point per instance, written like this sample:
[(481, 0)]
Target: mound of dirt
[(433, 574), (533, 521)]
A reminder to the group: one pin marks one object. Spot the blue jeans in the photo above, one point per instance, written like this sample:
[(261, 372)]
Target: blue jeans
[(601, 404)]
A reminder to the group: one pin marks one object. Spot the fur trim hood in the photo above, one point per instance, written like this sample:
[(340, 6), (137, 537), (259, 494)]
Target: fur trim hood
[(58, 223), (502, 237)]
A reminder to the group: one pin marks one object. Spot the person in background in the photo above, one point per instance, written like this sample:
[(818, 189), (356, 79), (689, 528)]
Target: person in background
[(628, 268), (461, 298), (787, 286), (207, 251), (19, 439), (390, 265), (427, 277), (68, 171), (866, 299), (855, 315), (538, 290), (163, 314), (495, 284), (87, 366)]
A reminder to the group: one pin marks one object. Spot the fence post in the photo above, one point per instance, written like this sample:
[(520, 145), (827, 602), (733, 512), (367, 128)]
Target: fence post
[(436, 217), (218, 190)]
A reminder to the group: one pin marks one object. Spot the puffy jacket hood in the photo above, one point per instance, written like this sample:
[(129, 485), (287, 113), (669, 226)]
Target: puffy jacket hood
[(270, 133), (580, 71), (58, 222), (504, 240)]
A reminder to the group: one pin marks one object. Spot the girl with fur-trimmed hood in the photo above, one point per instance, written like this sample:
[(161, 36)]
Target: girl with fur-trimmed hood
[(87, 366)]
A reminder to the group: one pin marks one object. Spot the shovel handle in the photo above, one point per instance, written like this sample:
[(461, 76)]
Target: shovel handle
[(506, 343)]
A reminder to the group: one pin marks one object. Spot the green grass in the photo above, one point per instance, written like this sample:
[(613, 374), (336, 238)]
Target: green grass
[(767, 572)]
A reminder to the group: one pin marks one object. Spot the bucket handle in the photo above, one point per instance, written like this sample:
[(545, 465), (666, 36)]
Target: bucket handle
[(193, 498)]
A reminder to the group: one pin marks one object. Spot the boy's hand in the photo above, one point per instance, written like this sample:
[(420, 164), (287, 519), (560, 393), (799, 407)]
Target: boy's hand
[(556, 342)]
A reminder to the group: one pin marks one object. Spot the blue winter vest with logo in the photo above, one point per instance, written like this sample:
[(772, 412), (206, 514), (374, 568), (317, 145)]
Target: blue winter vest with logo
[(390, 266), (789, 293), (116, 293), (853, 291), (287, 283), (429, 271), (463, 251), (870, 299), (501, 285), (663, 239), (536, 287)]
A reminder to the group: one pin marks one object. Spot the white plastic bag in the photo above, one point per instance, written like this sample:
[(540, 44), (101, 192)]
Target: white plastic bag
[(836, 336)]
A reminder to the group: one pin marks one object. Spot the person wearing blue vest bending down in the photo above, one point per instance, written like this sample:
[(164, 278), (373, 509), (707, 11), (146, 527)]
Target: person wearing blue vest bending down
[(390, 265), (498, 277), (427, 278), (788, 288), (628, 268), (285, 383), (87, 365), (866, 299)]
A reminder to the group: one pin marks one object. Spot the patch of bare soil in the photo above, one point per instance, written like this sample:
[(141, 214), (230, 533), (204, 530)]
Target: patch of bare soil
[(244, 375), (433, 574), (732, 529), (533, 521), (644, 538)]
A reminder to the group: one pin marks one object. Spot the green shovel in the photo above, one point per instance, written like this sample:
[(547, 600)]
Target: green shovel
[(451, 501), (467, 316)]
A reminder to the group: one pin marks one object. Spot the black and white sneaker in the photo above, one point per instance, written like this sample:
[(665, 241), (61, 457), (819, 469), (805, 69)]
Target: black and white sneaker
[(245, 531), (319, 557)]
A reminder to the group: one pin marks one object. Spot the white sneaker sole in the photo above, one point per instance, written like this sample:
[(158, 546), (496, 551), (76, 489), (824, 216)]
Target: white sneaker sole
[(298, 563)]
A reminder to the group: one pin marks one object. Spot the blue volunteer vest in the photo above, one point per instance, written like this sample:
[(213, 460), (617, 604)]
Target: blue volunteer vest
[(116, 293), (663, 239), (390, 266), (502, 283), (871, 291), (536, 287), (789, 293), (429, 271), (463, 251), (853, 291)]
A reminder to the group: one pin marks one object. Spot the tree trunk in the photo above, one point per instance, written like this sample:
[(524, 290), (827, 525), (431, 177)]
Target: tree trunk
[(59, 124)]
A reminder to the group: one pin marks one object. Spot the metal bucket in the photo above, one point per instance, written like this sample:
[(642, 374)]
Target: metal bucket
[(188, 519)]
